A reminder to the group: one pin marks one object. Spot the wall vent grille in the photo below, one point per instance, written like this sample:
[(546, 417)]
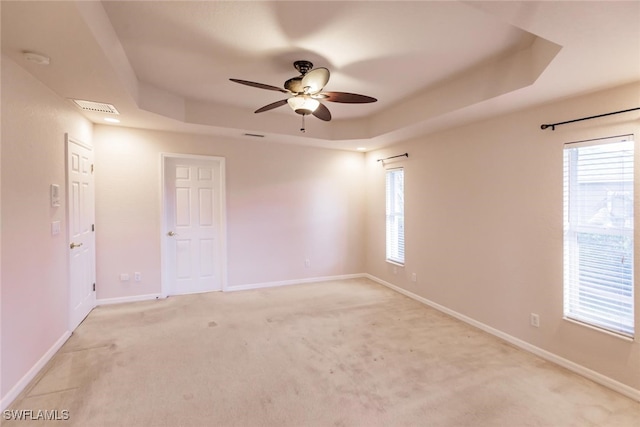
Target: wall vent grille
[(98, 107)]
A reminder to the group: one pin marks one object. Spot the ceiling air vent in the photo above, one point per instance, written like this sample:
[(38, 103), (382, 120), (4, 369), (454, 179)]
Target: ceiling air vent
[(98, 107)]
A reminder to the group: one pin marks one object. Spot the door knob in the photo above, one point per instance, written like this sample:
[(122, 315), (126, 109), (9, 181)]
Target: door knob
[(75, 245), (172, 233)]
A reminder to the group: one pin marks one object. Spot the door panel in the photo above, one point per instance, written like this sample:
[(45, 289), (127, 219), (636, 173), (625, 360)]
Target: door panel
[(206, 207), (193, 223), (183, 259), (183, 206), (206, 254), (80, 194)]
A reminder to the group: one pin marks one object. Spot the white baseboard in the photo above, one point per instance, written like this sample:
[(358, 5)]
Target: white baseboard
[(292, 282), (133, 298), (31, 374), (551, 357)]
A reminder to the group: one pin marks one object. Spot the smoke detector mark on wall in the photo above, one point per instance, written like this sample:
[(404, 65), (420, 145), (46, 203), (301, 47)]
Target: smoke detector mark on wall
[(36, 58)]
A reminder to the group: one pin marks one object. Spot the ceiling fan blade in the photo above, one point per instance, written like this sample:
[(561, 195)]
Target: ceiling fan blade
[(347, 98), (259, 85), (315, 80), (323, 113), (271, 106)]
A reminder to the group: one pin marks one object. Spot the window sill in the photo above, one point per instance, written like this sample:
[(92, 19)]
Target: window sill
[(396, 263), (604, 331)]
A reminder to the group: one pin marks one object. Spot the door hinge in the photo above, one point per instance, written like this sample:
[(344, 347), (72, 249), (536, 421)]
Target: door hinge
[(91, 168), (94, 287), (93, 227)]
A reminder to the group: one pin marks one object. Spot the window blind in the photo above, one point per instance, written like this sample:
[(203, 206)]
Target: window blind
[(598, 233), (395, 215)]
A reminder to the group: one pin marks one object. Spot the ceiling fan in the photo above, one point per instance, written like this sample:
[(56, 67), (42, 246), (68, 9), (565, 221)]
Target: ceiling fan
[(307, 93)]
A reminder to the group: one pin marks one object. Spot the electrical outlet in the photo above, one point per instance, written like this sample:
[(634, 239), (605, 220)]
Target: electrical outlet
[(137, 276), (307, 262), (124, 277), (395, 270), (535, 320), (414, 277)]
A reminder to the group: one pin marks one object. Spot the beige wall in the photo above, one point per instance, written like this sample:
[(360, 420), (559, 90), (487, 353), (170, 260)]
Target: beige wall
[(284, 203), (484, 225), (34, 263), (484, 208)]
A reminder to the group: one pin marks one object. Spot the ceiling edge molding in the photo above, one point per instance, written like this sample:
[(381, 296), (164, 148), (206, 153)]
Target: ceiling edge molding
[(481, 83)]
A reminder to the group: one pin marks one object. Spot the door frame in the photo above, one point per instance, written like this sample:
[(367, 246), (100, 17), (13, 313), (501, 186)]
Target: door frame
[(222, 262), (68, 140)]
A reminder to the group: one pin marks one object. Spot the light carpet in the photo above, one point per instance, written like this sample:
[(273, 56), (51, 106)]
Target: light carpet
[(340, 353)]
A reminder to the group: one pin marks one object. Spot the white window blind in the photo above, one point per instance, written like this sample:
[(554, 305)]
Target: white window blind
[(395, 215), (598, 233)]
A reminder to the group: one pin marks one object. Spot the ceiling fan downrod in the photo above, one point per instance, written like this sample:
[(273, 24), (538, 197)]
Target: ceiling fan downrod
[(303, 67)]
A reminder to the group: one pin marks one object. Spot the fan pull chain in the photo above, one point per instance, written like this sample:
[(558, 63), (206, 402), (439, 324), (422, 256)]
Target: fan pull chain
[(302, 129)]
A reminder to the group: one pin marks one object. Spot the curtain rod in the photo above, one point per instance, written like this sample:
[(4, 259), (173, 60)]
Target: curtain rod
[(553, 125), (393, 157)]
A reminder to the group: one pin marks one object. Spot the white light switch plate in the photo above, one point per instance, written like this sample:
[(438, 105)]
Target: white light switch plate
[(55, 228)]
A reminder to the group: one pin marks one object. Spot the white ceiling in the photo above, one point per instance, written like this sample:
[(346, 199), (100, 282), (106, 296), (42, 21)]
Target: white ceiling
[(166, 65)]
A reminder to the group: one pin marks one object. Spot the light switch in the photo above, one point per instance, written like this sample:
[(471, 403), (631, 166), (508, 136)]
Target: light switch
[(55, 228)]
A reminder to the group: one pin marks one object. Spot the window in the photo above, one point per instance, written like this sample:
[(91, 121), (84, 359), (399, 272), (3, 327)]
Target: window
[(395, 215), (598, 233)]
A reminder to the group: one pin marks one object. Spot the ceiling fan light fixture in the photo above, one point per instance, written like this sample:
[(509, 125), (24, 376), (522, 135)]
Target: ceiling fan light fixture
[(315, 80), (294, 85), (303, 104)]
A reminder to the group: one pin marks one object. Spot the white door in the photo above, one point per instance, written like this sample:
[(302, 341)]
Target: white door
[(80, 205), (193, 205)]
